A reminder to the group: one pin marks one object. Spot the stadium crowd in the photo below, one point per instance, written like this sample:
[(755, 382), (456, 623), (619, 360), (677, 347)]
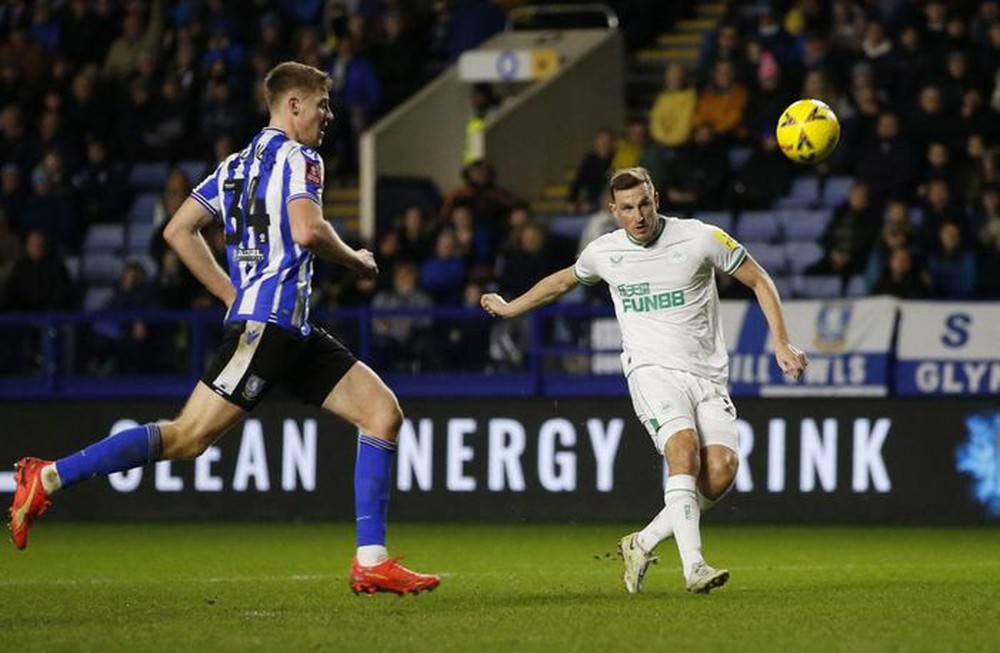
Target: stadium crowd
[(91, 88)]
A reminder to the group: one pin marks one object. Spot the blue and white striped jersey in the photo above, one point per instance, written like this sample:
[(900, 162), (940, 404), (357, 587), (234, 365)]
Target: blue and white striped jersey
[(250, 191)]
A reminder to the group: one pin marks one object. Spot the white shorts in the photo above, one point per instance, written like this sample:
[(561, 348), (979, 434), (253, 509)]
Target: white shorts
[(667, 401)]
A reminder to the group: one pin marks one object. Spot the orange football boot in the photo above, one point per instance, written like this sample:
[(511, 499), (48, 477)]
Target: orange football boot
[(30, 498), (390, 576)]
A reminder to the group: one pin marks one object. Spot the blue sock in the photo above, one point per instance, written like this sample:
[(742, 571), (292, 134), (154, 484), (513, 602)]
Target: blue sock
[(134, 447), (371, 488)]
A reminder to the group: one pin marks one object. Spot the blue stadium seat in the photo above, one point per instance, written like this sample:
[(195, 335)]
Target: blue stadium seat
[(916, 216), (721, 219), (819, 287), (104, 239), (857, 286), (803, 194), (97, 297), (738, 156), (771, 257), (801, 255), (803, 224), (836, 190), (101, 269), (194, 170), (139, 236), (760, 226), (142, 208), (148, 176)]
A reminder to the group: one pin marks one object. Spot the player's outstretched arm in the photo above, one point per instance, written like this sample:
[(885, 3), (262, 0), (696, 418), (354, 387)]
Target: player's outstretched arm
[(312, 231), (791, 359), (544, 292), (183, 234)]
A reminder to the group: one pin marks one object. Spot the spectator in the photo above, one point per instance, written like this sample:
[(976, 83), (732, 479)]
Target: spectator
[(10, 253), (484, 104), (635, 149), (599, 223), (767, 101), (39, 281), (725, 46), (902, 278), (13, 142), (490, 202), (672, 115), (526, 261), (938, 207), (696, 177), (133, 345), (12, 195), (51, 212), (930, 122), (175, 191), (952, 267), (892, 237), (988, 281), (416, 240), (886, 164), (443, 274), (101, 186), (854, 226), (90, 113), (837, 261), (474, 242), (178, 289), (78, 28), (766, 175), (465, 344), (357, 94), (723, 102), (987, 214), (398, 60), (136, 39), (220, 114), (592, 174), (403, 341)]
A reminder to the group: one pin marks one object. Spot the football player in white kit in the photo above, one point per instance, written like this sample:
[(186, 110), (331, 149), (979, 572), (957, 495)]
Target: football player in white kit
[(661, 273)]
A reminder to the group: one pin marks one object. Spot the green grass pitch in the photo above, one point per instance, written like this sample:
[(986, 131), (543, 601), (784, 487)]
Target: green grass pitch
[(515, 587)]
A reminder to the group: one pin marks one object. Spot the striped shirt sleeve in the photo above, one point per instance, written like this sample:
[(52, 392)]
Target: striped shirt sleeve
[(207, 192), (305, 175)]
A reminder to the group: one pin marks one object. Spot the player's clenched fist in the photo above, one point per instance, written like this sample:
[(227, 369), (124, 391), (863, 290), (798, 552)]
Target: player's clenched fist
[(366, 265), (493, 304)]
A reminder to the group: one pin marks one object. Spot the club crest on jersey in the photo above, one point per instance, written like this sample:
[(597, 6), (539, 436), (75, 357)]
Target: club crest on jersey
[(253, 387), (312, 173)]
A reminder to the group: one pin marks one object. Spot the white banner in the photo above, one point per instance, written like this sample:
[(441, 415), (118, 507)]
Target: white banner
[(948, 348)]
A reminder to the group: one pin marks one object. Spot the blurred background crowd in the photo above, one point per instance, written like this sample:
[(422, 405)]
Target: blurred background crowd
[(92, 92)]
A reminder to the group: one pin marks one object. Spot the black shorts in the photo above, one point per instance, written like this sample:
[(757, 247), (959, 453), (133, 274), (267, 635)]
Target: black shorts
[(255, 356)]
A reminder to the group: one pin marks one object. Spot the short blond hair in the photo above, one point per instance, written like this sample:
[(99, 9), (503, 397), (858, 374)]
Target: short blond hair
[(292, 75), (626, 178)]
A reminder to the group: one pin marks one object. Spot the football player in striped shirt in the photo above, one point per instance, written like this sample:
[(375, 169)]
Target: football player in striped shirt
[(269, 197)]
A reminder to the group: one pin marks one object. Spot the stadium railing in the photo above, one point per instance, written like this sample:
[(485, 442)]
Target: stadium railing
[(419, 352)]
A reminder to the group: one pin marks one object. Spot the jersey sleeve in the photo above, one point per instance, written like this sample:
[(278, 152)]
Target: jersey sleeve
[(585, 268), (725, 252), (207, 192), (306, 175)]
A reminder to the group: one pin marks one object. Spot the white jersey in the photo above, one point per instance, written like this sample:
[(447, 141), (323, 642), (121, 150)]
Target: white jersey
[(664, 294)]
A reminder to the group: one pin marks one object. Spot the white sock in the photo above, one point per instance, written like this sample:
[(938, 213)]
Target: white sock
[(685, 518), (370, 555), (655, 532), (50, 478)]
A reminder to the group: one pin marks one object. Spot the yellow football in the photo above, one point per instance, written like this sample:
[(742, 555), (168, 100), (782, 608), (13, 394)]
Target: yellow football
[(808, 131)]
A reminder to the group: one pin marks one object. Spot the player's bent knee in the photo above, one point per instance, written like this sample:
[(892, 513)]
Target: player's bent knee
[(385, 421)]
